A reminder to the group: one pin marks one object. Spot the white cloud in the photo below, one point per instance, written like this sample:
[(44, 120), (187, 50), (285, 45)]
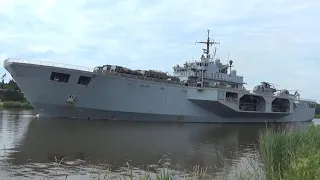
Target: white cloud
[(273, 40)]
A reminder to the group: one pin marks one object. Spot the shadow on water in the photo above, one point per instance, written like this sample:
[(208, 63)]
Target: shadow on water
[(99, 142)]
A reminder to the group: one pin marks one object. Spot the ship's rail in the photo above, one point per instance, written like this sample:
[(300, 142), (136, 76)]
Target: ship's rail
[(304, 99), (49, 63), (287, 96)]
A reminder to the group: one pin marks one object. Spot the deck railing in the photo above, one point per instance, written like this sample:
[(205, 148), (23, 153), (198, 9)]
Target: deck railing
[(304, 99), (49, 63)]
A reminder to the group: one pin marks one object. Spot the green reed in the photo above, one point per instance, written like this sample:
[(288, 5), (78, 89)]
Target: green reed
[(291, 154)]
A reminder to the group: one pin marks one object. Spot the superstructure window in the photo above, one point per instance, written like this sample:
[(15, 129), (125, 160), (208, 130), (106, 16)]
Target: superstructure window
[(84, 80), (59, 77)]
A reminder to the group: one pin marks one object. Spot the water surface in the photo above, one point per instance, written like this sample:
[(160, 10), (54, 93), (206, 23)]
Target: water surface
[(30, 146)]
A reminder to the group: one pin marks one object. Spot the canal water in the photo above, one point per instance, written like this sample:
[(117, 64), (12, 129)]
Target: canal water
[(31, 148)]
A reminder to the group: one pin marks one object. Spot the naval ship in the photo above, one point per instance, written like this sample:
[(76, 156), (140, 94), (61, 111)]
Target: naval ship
[(203, 90)]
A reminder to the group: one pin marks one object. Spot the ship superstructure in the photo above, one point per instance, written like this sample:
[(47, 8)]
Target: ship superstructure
[(208, 71), (204, 90)]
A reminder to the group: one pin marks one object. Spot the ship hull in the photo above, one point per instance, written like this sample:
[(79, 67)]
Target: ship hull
[(120, 98), (49, 110)]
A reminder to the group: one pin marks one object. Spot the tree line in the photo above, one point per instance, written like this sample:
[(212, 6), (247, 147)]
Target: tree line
[(11, 92)]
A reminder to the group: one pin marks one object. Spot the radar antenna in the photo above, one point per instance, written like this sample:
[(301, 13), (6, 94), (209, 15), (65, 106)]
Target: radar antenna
[(215, 51), (208, 43)]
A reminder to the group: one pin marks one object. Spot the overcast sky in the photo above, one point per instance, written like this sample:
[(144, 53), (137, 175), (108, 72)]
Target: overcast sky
[(276, 40)]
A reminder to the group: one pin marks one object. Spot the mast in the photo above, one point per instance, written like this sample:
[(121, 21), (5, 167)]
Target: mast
[(207, 51), (208, 43)]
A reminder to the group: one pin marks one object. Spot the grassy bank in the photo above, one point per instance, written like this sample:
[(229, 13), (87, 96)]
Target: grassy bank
[(16, 105), (317, 116), (291, 154)]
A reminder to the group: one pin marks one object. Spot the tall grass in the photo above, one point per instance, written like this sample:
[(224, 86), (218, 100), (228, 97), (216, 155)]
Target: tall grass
[(17, 105), (291, 154)]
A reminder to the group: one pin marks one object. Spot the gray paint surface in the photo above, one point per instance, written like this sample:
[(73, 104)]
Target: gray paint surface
[(122, 98)]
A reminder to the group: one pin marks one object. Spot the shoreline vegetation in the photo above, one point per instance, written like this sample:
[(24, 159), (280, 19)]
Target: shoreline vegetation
[(16, 105), (291, 154), (11, 96)]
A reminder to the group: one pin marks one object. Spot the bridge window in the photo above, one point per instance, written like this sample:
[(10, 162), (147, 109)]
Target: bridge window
[(84, 80), (59, 77)]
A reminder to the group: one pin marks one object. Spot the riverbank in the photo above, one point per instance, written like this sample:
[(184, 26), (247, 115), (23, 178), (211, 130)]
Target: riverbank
[(15, 105), (284, 154)]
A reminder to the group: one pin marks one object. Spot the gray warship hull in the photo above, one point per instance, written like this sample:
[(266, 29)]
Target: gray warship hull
[(116, 97)]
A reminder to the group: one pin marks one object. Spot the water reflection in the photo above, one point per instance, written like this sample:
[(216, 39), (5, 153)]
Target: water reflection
[(13, 126), (36, 142)]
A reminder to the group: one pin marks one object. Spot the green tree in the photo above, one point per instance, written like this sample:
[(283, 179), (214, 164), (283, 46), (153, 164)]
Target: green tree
[(13, 96), (318, 109), (11, 92), (2, 84), (12, 85)]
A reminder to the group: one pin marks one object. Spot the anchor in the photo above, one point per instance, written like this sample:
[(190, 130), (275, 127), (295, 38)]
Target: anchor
[(71, 99)]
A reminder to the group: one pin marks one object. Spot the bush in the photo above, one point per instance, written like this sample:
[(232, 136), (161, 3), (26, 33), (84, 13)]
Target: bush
[(12, 96), (18, 105)]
